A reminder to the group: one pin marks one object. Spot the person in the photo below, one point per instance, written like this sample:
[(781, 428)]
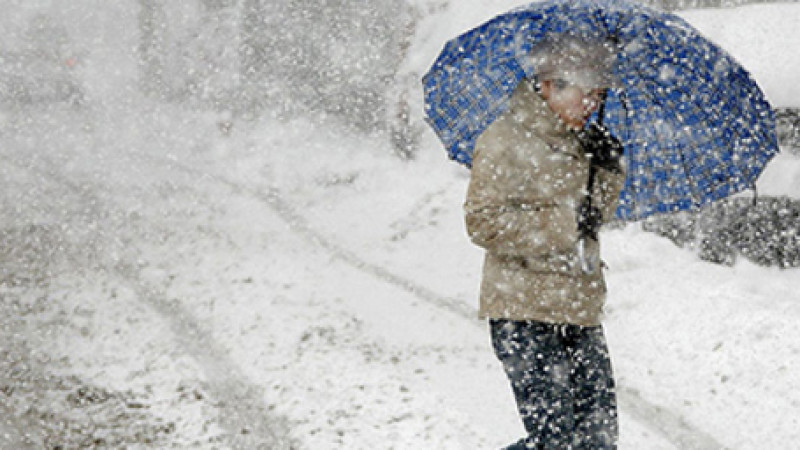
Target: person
[(542, 183)]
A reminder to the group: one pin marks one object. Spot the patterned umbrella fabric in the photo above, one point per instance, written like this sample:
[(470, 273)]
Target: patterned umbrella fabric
[(695, 125)]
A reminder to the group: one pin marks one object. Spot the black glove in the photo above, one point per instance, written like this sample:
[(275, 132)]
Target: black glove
[(602, 149), (589, 219)]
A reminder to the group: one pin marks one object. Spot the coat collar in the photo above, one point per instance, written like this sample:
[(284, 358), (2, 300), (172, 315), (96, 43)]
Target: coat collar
[(530, 110)]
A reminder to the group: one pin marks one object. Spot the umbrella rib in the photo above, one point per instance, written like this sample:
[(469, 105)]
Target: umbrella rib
[(742, 133), (689, 97), (652, 153)]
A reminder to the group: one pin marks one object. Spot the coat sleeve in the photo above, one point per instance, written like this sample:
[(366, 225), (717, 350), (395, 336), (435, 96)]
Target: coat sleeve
[(608, 186), (503, 223)]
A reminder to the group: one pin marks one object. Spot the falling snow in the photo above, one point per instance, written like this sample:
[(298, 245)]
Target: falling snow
[(225, 225)]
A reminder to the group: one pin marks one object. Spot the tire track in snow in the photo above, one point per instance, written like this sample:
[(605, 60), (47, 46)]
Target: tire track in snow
[(299, 225), (238, 402), (670, 425), (665, 422)]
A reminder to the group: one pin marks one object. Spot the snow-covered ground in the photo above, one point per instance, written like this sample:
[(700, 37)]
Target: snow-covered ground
[(167, 284)]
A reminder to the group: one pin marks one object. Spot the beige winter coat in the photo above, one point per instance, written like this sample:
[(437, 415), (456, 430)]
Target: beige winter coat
[(528, 178)]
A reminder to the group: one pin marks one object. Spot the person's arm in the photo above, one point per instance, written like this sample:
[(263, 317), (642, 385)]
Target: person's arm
[(506, 224), (605, 153), (607, 188)]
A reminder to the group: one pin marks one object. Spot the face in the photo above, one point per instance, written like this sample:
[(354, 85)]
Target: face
[(571, 103)]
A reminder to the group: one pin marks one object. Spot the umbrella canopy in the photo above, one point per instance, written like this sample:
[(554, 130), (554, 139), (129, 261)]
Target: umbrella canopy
[(695, 125)]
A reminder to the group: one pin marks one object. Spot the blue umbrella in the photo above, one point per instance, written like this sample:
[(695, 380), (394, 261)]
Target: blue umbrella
[(695, 125)]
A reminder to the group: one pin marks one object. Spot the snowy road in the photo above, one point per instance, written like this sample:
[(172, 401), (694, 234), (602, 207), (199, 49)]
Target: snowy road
[(88, 207), (172, 257), (179, 281)]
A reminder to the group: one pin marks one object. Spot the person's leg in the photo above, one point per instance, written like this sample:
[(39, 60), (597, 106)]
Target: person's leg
[(535, 359), (593, 383)]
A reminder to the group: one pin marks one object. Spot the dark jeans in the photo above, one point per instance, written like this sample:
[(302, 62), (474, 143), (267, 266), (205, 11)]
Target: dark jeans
[(562, 381)]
